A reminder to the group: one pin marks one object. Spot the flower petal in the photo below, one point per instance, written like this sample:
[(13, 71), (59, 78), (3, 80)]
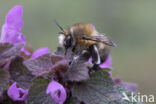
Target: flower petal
[(14, 18), (24, 94), (57, 92), (12, 36), (40, 52), (12, 27), (14, 93), (107, 63)]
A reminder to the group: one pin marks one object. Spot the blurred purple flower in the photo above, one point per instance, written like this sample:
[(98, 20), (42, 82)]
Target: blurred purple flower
[(106, 64), (57, 92), (17, 94), (11, 30), (39, 52), (131, 86)]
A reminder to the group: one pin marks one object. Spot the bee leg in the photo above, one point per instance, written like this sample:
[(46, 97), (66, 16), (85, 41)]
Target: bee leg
[(85, 55), (96, 67), (65, 52), (82, 57), (95, 57), (95, 54), (74, 47)]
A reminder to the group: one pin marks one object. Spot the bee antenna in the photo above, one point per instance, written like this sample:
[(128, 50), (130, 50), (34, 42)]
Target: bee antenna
[(58, 25)]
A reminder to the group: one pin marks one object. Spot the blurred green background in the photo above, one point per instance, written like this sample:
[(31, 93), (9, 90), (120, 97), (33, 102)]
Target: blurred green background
[(129, 23)]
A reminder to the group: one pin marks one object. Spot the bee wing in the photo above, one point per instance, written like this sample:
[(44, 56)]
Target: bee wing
[(100, 38)]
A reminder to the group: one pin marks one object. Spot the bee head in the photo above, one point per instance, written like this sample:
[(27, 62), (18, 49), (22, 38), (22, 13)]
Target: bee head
[(68, 41)]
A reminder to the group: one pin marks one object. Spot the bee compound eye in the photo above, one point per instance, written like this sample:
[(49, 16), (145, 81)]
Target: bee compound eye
[(68, 41)]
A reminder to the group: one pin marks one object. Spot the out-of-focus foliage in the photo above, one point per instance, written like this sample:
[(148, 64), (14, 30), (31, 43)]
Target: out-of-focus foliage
[(129, 23)]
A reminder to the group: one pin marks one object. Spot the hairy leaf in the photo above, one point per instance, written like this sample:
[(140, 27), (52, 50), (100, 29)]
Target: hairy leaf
[(76, 72), (20, 74), (40, 65), (99, 89), (9, 51), (56, 58), (7, 100), (120, 91), (4, 78), (37, 92)]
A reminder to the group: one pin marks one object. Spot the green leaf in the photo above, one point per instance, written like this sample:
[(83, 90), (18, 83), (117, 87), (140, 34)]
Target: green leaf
[(99, 89), (9, 51), (4, 79), (107, 69), (37, 92), (39, 66), (20, 74)]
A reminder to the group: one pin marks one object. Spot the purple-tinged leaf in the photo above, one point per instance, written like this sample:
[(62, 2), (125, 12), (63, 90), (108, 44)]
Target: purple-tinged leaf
[(4, 79), (7, 100), (72, 100), (130, 86), (99, 89), (72, 70), (77, 71), (60, 66), (37, 92), (20, 74), (39, 66), (9, 51), (56, 58), (120, 90), (59, 63)]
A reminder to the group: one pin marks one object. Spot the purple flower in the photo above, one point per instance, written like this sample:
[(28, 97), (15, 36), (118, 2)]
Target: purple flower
[(17, 94), (106, 64), (57, 92), (130, 86), (11, 30), (40, 52)]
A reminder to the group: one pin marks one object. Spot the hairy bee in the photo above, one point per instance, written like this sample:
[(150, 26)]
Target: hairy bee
[(83, 36)]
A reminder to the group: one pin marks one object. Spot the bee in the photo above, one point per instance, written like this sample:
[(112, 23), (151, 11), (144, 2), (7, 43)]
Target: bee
[(83, 37)]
